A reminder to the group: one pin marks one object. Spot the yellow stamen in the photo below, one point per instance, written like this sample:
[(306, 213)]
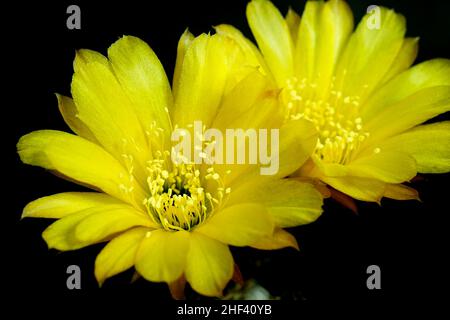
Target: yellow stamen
[(177, 199), (335, 116)]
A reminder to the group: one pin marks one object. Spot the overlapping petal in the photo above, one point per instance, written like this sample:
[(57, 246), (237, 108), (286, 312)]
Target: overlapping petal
[(209, 265), (80, 160)]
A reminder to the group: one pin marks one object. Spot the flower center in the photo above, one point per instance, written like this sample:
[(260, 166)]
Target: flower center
[(334, 115), (177, 199)]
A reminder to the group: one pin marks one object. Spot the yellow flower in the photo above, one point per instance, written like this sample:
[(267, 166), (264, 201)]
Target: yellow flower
[(359, 90), (172, 221)]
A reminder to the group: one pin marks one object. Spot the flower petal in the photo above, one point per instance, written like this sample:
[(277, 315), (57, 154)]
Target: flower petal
[(306, 42), (183, 44), (293, 22), (80, 160), (387, 166), (278, 240), (69, 112), (408, 113), (144, 80), (202, 79), (162, 255), (209, 265), (399, 95), (238, 225), (252, 103), (91, 226), (60, 234), (119, 254), (297, 140), (252, 55), (358, 188), (291, 203), (405, 58), (117, 218), (428, 144), (61, 205), (324, 31), (335, 27), (273, 37), (400, 192), (109, 113), (357, 72)]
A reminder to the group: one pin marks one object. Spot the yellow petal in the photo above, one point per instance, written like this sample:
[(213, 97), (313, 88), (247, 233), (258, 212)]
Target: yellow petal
[(183, 43), (400, 192), (405, 58), (63, 204), (387, 166), (293, 22), (324, 31), (358, 188), (253, 57), (331, 34), (278, 240), (273, 36), (91, 226), (119, 254), (162, 255), (69, 112), (80, 160), (370, 52), (297, 140), (327, 168), (109, 113), (209, 265), (306, 42), (414, 110), (428, 144), (108, 222), (238, 225), (290, 202), (202, 79), (144, 81), (426, 75), (250, 104), (85, 56), (60, 234)]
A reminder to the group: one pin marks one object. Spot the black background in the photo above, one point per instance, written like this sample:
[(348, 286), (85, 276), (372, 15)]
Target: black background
[(406, 239)]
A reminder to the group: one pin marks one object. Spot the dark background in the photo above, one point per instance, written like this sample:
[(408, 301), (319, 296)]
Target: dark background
[(408, 240)]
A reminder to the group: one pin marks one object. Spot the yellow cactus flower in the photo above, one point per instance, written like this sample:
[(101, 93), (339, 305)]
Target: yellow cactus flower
[(360, 91), (172, 221)]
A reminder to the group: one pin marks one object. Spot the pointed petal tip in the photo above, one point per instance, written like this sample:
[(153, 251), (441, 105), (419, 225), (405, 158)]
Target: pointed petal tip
[(295, 245), (25, 214)]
